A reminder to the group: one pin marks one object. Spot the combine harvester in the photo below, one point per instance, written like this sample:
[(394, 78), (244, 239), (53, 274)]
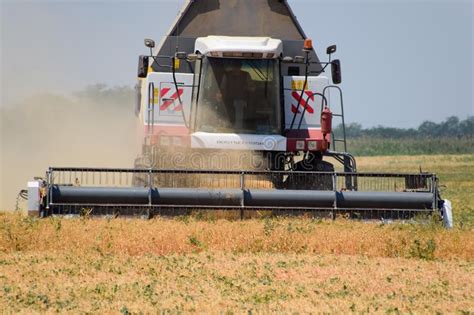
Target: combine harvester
[(237, 113)]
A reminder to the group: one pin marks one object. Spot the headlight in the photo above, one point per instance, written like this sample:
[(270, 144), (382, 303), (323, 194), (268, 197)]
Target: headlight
[(164, 140), (300, 145), (312, 145), (177, 141)]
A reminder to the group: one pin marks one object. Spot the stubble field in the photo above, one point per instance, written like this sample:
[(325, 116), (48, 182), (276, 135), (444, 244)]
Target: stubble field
[(261, 265)]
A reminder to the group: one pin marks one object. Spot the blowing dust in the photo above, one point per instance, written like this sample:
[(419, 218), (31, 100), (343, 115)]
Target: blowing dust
[(96, 128)]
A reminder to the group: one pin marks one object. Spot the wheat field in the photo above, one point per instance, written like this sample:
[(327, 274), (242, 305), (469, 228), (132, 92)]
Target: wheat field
[(289, 265)]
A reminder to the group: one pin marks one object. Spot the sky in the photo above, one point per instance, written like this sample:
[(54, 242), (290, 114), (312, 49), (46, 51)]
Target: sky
[(403, 62)]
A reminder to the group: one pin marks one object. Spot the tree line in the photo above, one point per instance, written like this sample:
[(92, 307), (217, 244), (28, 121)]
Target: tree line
[(452, 127)]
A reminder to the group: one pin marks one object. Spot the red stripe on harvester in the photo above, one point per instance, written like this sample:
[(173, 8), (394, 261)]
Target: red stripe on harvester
[(302, 102), (310, 94), (173, 97), (164, 91)]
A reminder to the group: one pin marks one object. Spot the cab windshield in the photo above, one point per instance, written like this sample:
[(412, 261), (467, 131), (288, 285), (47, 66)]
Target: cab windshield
[(239, 96)]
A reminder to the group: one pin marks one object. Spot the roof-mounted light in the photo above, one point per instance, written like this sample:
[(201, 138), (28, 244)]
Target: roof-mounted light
[(299, 59), (150, 43), (238, 54), (181, 55), (308, 44)]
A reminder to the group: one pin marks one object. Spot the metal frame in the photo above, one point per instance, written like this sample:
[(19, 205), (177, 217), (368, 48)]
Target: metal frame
[(341, 115), (407, 203), (151, 109)]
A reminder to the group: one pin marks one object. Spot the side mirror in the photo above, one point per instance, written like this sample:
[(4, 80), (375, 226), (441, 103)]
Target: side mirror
[(150, 43), (331, 49), (142, 66), (336, 71)]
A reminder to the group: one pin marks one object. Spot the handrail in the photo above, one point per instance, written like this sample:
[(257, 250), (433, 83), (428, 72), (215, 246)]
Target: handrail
[(344, 140), (151, 108)]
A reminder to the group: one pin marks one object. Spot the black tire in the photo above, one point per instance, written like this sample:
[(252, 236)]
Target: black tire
[(304, 181)]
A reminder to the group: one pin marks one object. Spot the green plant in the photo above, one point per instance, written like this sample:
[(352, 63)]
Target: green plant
[(268, 226), (422, 250), (193, 240)]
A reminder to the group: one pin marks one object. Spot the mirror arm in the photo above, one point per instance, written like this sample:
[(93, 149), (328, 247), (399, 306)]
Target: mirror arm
[(320, 71), (161, 57)]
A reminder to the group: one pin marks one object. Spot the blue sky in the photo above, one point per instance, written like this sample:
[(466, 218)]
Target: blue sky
[(403, 61)]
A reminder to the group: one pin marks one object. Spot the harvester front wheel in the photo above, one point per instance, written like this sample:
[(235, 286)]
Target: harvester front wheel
[(302, 180)]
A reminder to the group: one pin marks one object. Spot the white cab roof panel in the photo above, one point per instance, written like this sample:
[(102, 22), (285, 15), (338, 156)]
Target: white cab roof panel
[(220, 44)]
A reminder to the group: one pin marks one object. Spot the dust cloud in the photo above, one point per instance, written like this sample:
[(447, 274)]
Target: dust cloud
[(96, 127), (93, 128)]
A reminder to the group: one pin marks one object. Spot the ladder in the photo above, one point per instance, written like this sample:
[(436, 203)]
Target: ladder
[(150, 112), (339, 115)]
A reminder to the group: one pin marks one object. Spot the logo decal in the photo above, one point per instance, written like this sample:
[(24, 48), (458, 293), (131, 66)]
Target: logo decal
[(308, 97), (170, 103)]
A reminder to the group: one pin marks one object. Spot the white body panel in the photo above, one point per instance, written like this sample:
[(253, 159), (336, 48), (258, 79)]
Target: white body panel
[(34, 199), (292, 86), (447, 212), (167, 109), (232, 141), (220, 44)]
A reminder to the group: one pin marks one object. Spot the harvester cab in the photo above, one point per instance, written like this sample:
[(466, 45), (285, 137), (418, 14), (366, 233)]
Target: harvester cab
[(236, 112)]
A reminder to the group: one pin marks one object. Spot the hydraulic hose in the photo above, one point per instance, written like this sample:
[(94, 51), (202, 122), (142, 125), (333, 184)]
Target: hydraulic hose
[(173, 59)]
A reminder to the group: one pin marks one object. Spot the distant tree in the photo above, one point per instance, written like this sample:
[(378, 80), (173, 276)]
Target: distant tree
[(450, 127), (353, 130), (428, 128), (466, 127), (389, 132)]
